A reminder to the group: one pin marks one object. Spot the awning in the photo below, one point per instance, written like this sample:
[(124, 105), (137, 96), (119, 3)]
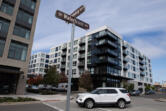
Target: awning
[(10, 71)]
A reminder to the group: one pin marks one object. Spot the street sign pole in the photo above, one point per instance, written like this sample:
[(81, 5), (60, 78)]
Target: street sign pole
[(75, 22), (70, 69)]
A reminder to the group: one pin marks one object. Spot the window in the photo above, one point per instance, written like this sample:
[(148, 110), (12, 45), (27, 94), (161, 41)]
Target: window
[(4, 26), (18, 51), (2, 45), (29, 3), (123, 91), (74, 63), (24, 17), (55, 54), (56, 49), (6, 8), (22, 32), (73, 71), (55, 60), (75, 42), (112, 91)]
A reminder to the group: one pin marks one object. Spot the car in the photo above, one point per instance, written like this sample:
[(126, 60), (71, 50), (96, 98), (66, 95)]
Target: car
[(135, 93), (150, 92), (104, 96)]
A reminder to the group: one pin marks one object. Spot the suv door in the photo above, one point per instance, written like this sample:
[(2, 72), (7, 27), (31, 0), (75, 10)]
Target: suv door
[(101, 96), (111, 95)]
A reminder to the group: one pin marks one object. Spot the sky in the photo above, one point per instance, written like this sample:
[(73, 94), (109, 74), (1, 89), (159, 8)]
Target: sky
[(140, 22)]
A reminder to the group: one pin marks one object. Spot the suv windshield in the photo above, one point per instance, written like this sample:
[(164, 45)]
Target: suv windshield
[(123, 91)]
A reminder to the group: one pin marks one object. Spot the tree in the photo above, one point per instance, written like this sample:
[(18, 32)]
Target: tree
[(63, 78), (52, 76), (85, 81), (147, 87), (129, 86), (35, 80)]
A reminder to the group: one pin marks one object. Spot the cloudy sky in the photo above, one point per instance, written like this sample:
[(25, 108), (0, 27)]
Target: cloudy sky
[(140, 22)]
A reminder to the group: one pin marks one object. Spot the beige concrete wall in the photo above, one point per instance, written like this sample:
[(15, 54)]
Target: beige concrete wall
[(23, 65)]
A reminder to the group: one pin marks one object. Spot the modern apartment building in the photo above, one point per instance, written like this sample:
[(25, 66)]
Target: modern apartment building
[(110, 60), (17, 26), (38, 63)]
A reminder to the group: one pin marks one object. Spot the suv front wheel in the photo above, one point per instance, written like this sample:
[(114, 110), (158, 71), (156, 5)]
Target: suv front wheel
[(121, 104), (89, 104)]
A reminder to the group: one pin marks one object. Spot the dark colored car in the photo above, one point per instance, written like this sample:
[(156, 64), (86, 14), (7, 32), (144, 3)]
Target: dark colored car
[(150, 92), (135, 93)]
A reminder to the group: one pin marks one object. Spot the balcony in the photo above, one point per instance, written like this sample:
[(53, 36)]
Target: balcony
[(63, 54), (81, 56), (125, 60), (125, 53), (125, 67), (107, 34), (3, 34), (110, 52), (81, 64), (142, 73), (11, 2), (63, 60), (62, 66), (82, 49), (142, 68), (141, 62), (89, 54), (141, 57), (107, 60), (106, 42), (82, 42), (64, 47), (125, 46), (23, 23)]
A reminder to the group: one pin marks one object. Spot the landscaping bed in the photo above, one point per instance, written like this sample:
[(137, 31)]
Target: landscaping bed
[(18, 99)]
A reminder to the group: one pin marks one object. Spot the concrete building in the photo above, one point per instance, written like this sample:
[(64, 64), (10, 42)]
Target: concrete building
[(17, 26), (110, 60), (38, 63)]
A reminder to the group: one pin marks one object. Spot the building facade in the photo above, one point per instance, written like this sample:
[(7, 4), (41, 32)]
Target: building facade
[(110, 60), (38, 63), (17, 26)]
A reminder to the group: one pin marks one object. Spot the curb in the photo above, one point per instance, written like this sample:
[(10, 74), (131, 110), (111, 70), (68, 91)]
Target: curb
[(161, 100), (19, 103)]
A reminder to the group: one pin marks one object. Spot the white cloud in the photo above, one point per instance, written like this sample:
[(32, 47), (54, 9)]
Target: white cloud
[(152, 47)]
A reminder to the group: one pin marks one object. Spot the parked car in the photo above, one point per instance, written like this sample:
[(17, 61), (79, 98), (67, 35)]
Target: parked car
[(135, 93), (41, 86), (150, 92), (104, 96)]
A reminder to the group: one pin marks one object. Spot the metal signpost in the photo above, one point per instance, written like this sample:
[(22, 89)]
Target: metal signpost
[(74, 21)]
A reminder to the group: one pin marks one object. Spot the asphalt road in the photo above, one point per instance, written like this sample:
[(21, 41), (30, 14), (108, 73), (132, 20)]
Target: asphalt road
[(138, 104), (26, 107)]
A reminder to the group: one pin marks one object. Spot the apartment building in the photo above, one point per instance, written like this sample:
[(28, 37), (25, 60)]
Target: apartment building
[(38, 63), (110, 60), (17, 26)]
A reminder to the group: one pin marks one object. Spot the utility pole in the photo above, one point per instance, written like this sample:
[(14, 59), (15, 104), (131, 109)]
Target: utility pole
[(75, 22)]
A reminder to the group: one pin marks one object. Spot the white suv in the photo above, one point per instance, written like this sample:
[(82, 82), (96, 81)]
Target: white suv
[(105, 95)]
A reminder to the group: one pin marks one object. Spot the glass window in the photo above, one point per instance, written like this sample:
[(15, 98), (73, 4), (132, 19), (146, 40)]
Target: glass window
[(123, 91), (29, 3), (4, 26), (2, 45), (6, 8), (112, 91), (22, 32), (18, 51), (24, 17)]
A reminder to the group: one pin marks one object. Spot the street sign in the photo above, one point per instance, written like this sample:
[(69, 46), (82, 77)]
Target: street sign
[(78, 11), (71, 19)]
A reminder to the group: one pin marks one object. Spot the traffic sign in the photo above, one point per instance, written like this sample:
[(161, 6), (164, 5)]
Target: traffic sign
[(78, 11), (71, 19)]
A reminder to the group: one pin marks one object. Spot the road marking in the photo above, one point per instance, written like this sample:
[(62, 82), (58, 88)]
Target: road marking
[(101, 109), (54, 107)]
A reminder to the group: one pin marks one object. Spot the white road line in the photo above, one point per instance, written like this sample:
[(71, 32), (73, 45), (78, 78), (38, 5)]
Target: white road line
[(101, 109), (54, 107)]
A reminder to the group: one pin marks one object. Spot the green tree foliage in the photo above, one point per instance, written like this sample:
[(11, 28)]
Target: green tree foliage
[(52, 76), (147, 87), (129, 86), (85, 81)]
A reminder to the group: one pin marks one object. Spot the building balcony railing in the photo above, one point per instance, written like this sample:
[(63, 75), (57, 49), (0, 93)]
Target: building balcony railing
[(107, 60), (142, 62), (63, 60), (81, 64), (11, 2), (82, 56), (89, 54), (105, 34), (125, 60), (63, 54), (64, 47), (108, 51), (125, 67), (141, 57), (142, 73), (82, 42), (106, 42), (125, 53), (63, 66), (82, 49), (142, 68)]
